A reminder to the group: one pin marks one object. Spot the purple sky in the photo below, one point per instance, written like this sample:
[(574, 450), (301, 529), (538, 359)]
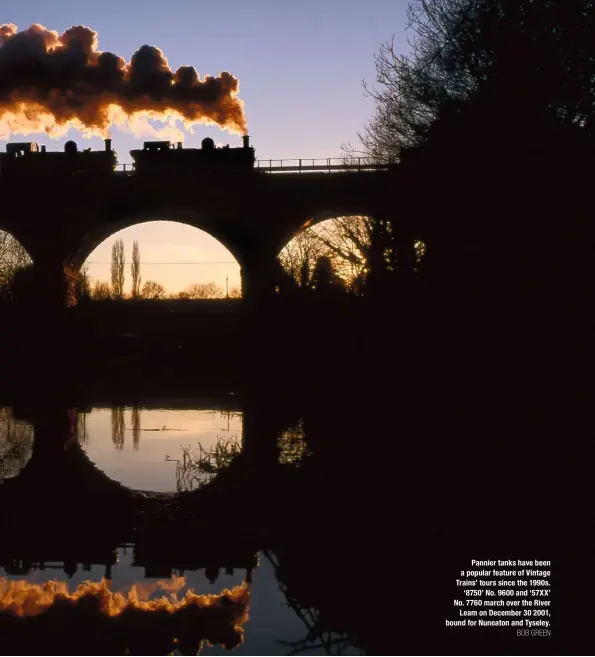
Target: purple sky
[(300, 68)]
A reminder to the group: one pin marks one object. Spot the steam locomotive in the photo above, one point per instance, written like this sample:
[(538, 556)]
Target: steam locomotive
[(160, 156), (156, 157), (28, 158)]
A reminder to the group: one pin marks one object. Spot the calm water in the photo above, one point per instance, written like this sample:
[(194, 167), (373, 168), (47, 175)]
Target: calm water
[(142, 448)]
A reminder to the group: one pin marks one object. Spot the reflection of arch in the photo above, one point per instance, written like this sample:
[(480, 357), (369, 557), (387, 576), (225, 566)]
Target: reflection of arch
[(16, 444), (105, 229)]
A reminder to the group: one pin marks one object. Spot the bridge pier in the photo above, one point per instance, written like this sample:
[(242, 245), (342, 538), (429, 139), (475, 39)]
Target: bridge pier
[(46, 287)]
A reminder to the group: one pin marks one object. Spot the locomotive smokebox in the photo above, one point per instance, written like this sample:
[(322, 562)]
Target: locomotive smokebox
[(246, 140)]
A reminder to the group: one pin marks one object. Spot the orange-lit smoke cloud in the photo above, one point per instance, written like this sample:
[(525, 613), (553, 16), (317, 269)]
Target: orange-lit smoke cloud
[(32, 616), (50, 82)]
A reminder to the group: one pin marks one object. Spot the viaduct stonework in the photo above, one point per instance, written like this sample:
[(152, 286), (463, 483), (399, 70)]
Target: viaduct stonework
[(60, 215)]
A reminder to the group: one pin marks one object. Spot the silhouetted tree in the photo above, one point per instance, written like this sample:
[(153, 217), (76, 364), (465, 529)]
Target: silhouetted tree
[(204, 291), (360, 248), (135, 270), (101, 291), (84, 290), (299, 256), (152, 290), (118, 269), (325, 280), (235, 292), (13, 257), (520, 61)]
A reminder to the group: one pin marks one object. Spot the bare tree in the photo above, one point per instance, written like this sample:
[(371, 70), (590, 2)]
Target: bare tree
[(300, 255), (118, 269), (235, 292), (519, 61), (101, 291), (204, 291), (13, 257), (356, 247), (152, 290), (135, 270)]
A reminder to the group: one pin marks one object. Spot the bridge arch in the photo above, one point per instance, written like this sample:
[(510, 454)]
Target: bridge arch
[(178, 258), (343, 238), (103, 229)]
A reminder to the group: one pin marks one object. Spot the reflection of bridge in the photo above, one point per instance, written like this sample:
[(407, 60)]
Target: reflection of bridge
[(69, 512), (65, 217)]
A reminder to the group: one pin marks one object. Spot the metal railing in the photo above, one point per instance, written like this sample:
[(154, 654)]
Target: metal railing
[(323, 164), (304, 165), (124, 168)]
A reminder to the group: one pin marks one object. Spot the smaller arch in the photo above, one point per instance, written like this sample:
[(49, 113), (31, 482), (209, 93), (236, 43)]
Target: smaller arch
[(329, 245)]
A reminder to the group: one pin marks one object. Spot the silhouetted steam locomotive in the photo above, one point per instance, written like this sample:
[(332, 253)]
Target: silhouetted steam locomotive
[(27, 158), (160, 156), (156, 157)]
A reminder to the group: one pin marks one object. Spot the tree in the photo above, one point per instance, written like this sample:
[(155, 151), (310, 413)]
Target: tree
[(101, 291), (325, 280), (135, 270), (521, 62), (235, 292), (118, 269), (204, 291), (299, 257), (152, 290), (13, 257), (360, 249), (84, 290)]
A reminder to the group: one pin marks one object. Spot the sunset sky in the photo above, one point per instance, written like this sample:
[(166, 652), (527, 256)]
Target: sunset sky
[(300, 68)]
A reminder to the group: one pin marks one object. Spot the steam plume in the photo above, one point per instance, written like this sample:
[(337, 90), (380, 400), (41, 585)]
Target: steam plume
[(35, 616), (51, 82)]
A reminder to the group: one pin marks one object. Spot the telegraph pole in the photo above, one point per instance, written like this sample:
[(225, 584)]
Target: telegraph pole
[(226, 286)]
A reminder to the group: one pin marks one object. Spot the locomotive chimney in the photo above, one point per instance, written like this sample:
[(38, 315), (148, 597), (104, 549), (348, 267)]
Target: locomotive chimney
[(246, 140), (108, 144)]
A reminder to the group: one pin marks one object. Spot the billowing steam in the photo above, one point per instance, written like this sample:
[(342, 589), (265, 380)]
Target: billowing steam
[(33, 616), (51, 82)]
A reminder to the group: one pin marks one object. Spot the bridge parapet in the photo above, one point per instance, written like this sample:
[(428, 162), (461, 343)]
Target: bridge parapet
[(305, 165)]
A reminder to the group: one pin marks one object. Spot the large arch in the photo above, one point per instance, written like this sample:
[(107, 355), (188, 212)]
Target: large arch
[(103, 230), (163, 241)]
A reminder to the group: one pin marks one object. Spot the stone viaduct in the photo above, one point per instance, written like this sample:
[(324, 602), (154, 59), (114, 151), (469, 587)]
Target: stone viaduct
[(60, 219)]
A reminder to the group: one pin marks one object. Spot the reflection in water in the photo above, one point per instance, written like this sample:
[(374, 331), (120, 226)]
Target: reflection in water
[(163, 440), (136, 428), (293, 448), (33, 616), (16, 444), (118, 427), (201, 465)]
